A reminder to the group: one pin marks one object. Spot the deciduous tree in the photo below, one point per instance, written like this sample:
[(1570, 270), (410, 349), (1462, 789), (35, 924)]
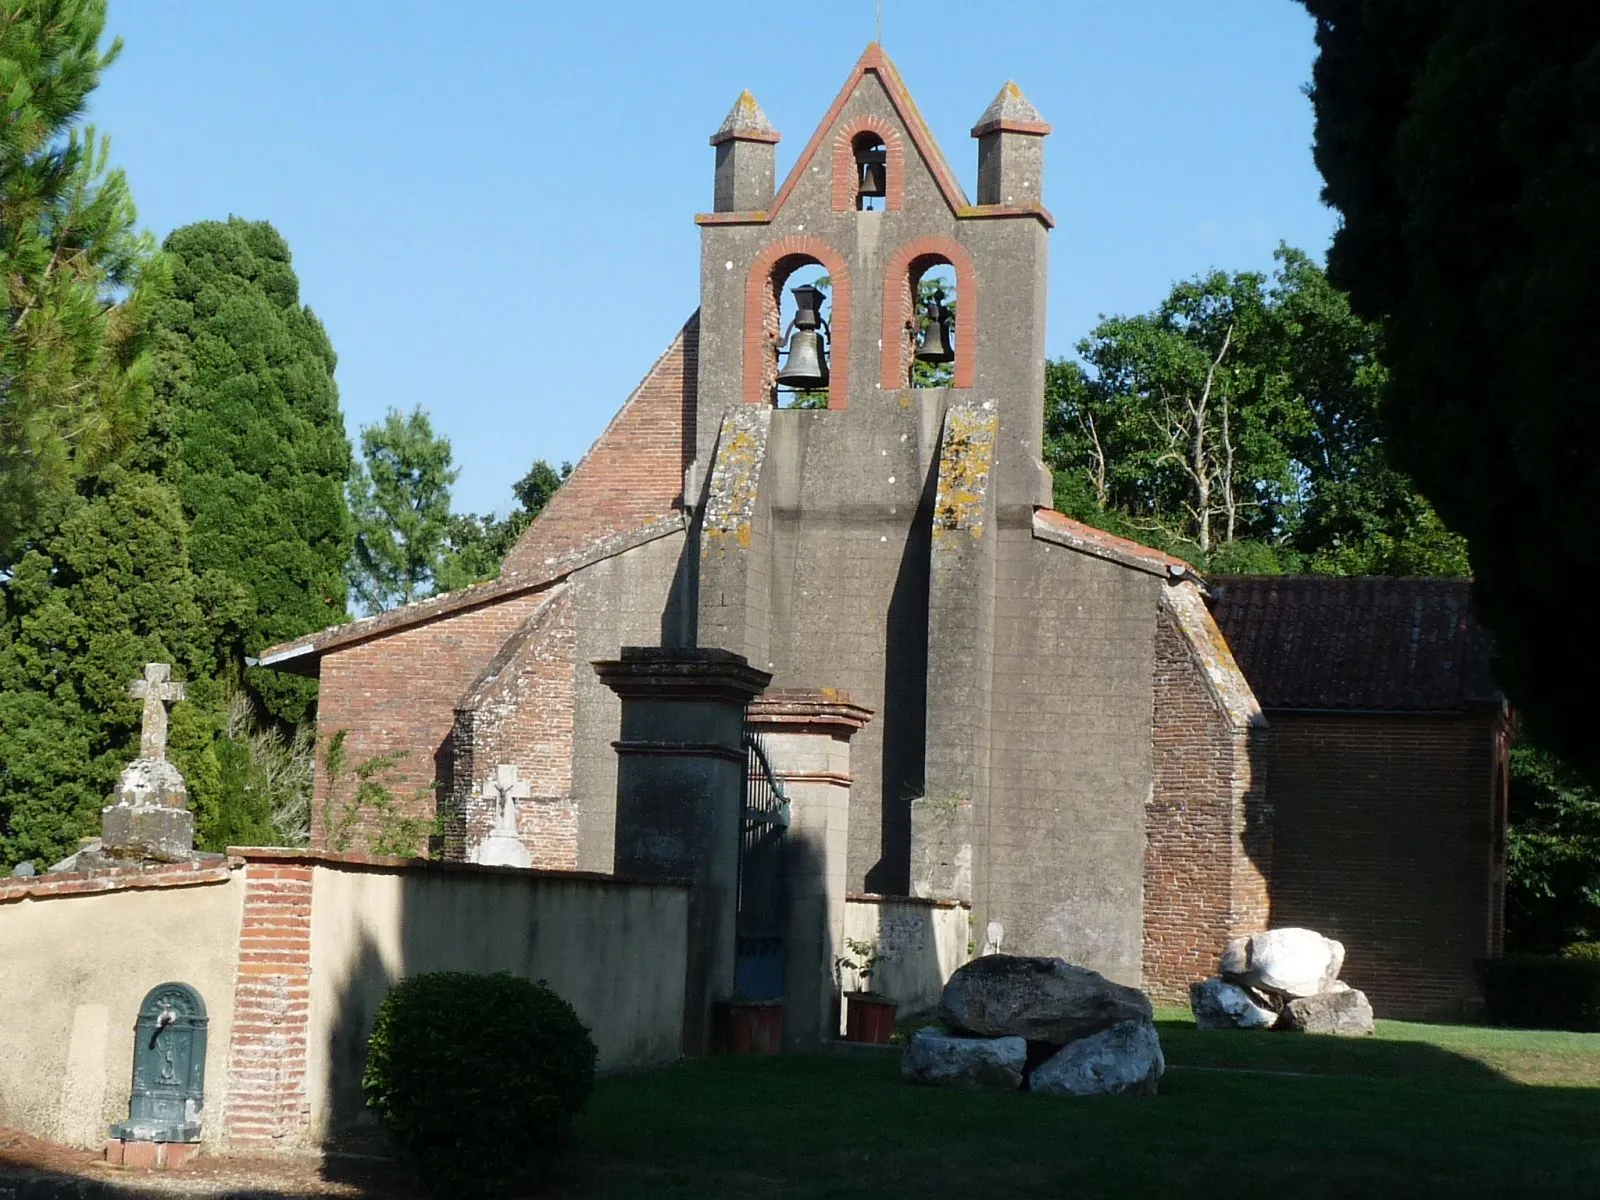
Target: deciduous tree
[(400, 500)]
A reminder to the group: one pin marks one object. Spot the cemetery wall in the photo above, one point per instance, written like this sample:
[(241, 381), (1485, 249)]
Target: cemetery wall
[(922, 943), (81, 952), (1385, 838), (615, 948), (1208, 822)]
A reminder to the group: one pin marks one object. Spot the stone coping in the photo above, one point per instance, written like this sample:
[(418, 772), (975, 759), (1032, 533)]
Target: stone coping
[(920, 901), (212, 868), (303, 856)]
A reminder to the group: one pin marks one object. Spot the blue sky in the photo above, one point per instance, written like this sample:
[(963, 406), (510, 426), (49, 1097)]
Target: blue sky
[(491, 203)]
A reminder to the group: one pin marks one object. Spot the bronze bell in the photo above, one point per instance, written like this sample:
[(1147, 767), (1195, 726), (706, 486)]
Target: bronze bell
[(806, 368), (936, 343), (873, 166)]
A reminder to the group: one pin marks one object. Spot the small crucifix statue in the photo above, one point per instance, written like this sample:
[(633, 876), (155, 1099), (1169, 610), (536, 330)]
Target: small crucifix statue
[(503, 847), (157, 689)]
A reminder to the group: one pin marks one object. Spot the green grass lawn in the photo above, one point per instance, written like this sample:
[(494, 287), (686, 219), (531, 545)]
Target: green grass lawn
[(1417, 1110)]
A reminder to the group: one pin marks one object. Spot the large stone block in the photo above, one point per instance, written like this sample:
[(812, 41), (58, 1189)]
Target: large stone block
[(1218, 1004), (964, 1062), (1040, 999), (1343, 1011), (147, 831), (1286, 962), (1125, 1060)]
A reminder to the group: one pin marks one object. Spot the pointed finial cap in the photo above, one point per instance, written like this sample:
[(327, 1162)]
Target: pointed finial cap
[(1011, 112), (745, 122)]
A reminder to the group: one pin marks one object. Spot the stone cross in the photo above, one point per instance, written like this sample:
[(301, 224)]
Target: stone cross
[(505, 787), (157, 690)]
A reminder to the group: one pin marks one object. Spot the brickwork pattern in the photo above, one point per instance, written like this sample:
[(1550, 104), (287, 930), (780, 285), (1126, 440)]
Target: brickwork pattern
[(910, 262), (117, 879), (761, 297), (633, 474), (398, 694), (521, 714), (845, 182), (267, 1105), (1383, 839), (1207, 842)]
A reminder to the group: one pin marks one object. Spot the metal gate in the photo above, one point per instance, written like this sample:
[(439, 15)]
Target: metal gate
[(762, 915)]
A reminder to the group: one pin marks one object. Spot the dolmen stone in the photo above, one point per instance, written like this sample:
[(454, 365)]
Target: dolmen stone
[(1290, 962), (1125, 1060), (1218, 1004), (1040, 999), (945, 1060), (1343, 1011)]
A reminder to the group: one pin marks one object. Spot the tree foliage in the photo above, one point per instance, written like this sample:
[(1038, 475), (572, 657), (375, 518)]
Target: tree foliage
[(1457, 141), (400, 499), (261, 458), (77, 276), (478, 544), (1236, 424), (1553, 855)]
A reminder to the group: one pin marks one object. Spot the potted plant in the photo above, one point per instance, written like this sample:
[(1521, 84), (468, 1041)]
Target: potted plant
[(869, 1017)]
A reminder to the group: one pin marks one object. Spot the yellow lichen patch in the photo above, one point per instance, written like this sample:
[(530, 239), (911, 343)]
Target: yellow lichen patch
[(735, 479), (965, 460)]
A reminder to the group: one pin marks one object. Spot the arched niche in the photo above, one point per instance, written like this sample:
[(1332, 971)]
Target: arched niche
[(913, 261), (763, 307)]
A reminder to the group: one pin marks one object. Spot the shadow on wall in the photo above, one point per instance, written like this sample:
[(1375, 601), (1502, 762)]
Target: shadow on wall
[(921, 943), (905, 698), (615, 950)]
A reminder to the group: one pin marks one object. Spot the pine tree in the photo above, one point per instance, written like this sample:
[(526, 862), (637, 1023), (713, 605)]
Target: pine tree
[(400, 499), (246, 373), (77, 277)]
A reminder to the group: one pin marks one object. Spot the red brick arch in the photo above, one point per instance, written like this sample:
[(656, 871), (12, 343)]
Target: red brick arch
[(761, 316), (899, 304), (844, 163)]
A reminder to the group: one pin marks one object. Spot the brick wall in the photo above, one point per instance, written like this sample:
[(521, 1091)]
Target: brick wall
[(267, 1106), (632, 475), (398, 693), (1385, 839), (520, 714), (1208, 836)]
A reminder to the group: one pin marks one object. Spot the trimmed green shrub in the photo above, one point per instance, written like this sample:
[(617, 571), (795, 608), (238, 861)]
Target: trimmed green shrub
[(1587, 951), (477, 1078), (1543, 991)]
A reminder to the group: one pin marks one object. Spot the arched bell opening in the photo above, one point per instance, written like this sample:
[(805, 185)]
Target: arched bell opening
[(930, 325), (871, 156), (798, 322)]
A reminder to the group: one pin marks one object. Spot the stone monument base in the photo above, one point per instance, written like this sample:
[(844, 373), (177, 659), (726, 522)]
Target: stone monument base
[(147, 831)]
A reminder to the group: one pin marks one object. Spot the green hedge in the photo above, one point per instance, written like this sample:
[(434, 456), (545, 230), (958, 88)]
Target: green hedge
[(1543, 991), (477, 1078)]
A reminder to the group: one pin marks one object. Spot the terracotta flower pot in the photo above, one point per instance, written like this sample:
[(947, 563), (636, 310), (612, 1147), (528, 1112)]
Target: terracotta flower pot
[(868, 1018), (750, 1026)]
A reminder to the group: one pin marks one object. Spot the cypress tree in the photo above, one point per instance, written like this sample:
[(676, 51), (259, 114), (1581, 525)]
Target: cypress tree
[(262, 457)]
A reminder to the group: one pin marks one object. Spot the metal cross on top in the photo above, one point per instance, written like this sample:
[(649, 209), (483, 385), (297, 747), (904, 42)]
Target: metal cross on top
[(157, 689), (505, 786)]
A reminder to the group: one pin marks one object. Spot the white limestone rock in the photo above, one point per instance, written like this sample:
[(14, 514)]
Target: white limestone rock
[(1125, 1060), (1218, 1004), (1343, 1012), (974, 1064), (1040, 999), (1285, 962)]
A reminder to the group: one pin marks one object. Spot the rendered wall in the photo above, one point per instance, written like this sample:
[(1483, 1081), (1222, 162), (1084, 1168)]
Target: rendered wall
[(922, 941), (615, 950), (1384, 838), (78, 960), (1058, 856)]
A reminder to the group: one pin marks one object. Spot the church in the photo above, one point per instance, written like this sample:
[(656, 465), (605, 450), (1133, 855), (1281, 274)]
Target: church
[(1053, 730)]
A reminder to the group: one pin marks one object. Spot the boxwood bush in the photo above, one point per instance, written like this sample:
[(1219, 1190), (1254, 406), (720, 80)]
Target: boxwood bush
[(477, 1078), (1543, 991)]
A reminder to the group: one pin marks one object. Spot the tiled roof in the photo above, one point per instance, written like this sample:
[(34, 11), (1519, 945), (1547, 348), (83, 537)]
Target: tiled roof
[(1063, 530), (1356, 644)]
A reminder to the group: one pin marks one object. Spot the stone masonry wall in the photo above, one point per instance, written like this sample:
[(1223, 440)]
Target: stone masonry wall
[(520, 715), (1206, 849), (1384, 840)]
